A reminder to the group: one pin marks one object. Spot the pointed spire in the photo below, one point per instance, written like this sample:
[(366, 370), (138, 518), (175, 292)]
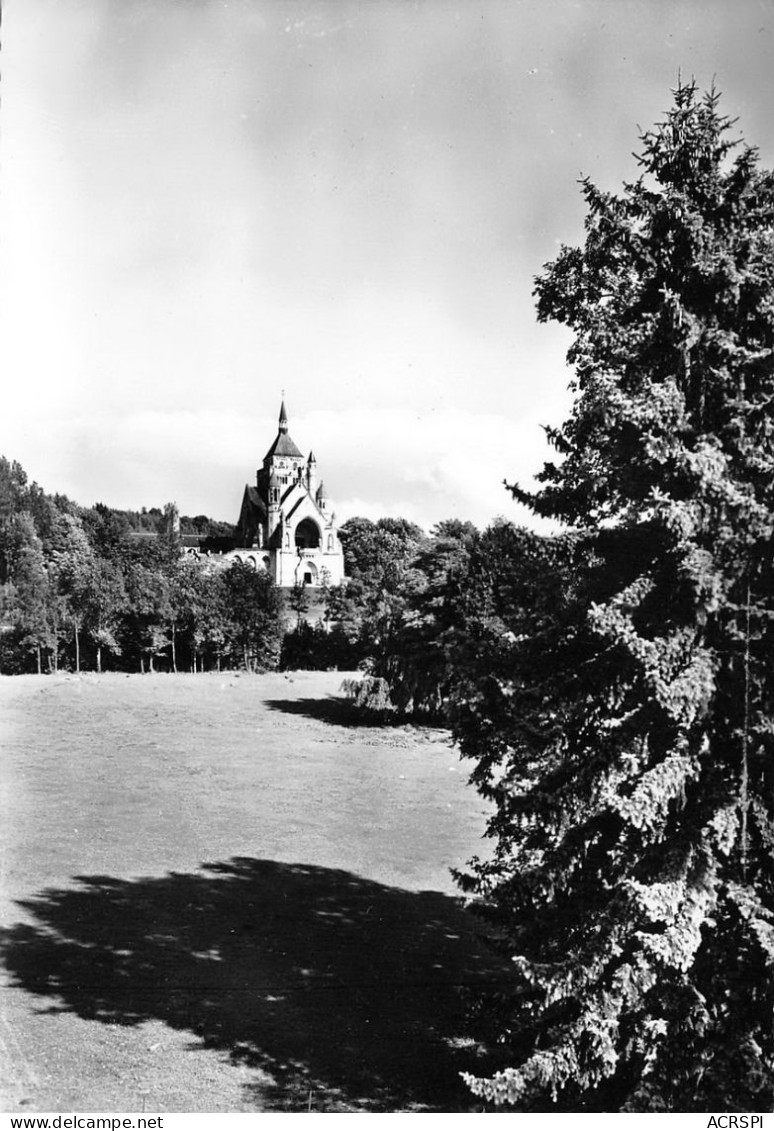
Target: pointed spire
[(283, 445), (311, 458)]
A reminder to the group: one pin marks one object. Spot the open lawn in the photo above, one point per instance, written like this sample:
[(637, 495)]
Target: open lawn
[(220, 894)]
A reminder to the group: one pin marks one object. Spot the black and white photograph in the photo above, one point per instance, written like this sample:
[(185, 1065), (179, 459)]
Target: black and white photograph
[(386, 559)]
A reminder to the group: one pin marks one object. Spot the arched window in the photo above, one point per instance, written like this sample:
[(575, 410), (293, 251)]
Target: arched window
[(307, 535)]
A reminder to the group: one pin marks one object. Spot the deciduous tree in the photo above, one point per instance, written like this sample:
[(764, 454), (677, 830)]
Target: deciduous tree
[(30, 598), (253, 609)]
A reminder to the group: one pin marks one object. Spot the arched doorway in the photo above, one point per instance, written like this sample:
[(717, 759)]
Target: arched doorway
[(306, 574), (307, 535)]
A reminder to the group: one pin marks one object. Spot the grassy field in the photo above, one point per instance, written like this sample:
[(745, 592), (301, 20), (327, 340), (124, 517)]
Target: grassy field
[(220, 894)]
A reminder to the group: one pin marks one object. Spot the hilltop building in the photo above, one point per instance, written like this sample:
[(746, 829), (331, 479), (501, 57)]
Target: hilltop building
[(286, 524)]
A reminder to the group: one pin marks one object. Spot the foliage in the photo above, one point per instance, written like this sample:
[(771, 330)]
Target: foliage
[(624, 727), (377, 561), (318, 647), (344, 612), (298, 601), (413, 621), (373, 548), (74, 568), (13, 498), (104, 607), (29, 600), (169, 535), (79, 588), (389, 617), (150, 612), (371, 694), (253, 607), (200, 614), (206, 527), (108, 531)]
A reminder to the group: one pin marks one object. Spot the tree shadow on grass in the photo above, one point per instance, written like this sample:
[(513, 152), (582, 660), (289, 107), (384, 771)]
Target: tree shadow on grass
[(342, 712), (333, 709), (325, 983)]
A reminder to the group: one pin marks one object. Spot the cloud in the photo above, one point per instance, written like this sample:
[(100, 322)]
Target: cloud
[(426, 466), (205, 202)]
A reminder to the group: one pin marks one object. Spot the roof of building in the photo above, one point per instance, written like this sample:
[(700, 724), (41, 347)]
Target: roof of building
[(283, 446), (295, 506), (255, 501)]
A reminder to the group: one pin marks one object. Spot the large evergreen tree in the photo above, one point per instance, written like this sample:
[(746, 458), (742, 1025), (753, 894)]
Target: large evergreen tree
[(627, 740)]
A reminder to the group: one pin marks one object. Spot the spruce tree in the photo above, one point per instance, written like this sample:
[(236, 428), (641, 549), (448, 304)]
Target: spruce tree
[(626, 738)]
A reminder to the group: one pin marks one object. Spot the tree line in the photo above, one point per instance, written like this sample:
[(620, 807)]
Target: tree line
[(77, 590), (95, 588)]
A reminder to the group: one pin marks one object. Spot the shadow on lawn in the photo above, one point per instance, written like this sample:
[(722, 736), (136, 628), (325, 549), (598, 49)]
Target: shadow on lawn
[(327, 983), (339, 711), (333, 709)]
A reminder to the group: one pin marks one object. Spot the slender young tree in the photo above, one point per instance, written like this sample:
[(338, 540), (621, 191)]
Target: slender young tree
[(149, 611), (75, 568), (299, 601), (629, 757), (30, 598), (105, 607)]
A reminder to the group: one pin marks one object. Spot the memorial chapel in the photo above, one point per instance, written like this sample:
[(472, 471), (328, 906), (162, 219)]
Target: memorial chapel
[(286, 524)]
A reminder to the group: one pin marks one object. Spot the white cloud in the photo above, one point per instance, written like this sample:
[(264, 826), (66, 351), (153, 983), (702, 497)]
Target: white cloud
[(426, 467), (201, 207)]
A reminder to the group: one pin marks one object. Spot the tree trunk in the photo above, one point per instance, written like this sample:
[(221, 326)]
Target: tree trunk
[(174, 652), (40, 662), (99, 659), (142, 665), (77, 650)]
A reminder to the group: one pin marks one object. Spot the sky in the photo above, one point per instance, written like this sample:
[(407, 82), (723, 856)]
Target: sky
[(206, 202)]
